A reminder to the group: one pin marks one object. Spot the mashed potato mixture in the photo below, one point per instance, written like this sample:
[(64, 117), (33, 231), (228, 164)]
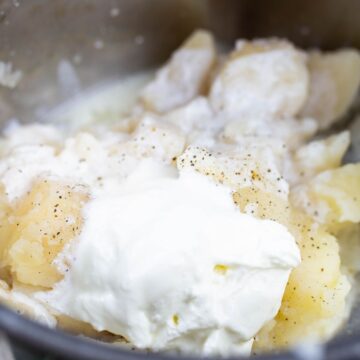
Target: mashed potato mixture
[(208, 220)]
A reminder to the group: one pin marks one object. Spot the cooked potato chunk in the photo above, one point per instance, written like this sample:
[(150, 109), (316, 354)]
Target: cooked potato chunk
[(25, 305), (292, 132), (196, 115), (153, 138), (262, 204), (339, 189), (348, 235), (237, 169), (325, 154), (184, 77), (40, 225), (258, 188), (332, 197), (334, 82), (261, 79), (314, 301)]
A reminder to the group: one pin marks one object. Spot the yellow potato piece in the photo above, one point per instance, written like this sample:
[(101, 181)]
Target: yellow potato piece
[(340, 190), (314, 301), (184, 76), (325, 154), (334, 82), (153, 138), (348, 235), (265, 205), (261, 79), (39, 227), (249, 168), (257, 188), (292, 132), (24, 304)]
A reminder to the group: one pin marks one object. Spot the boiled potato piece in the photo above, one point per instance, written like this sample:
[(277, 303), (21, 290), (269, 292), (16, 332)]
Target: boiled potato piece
[(334, 83), (325, 154), (348, 235), (313, 305), (339, 189), (153, 138), (292, 132), (262, 204), (251, 167), (257, 187), (196, 120), (196, 115), (184, 77), (46, 219), (25, 305), (332, 197), (261, 79)]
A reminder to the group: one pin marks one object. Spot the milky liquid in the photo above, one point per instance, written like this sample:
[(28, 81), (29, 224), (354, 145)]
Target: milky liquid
[(105, 103)]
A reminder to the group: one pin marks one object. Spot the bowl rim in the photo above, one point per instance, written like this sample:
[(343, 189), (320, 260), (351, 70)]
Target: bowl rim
[(33, 335)]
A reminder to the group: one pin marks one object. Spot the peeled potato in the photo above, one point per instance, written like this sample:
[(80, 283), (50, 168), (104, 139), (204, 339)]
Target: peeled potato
[(348, 235), (261, 79), (184, 76), (25, 305), (325, 154), (339, 189), (250, 168), (313, 305), (194, 116), (153, 138), (334, 83), (292, 132), (263, 205), (257, 188), (40, 225)]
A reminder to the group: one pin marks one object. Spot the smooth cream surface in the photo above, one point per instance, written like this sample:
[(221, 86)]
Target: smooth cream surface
[(169, 262)]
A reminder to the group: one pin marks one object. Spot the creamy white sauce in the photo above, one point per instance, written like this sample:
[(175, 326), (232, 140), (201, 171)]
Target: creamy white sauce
[(169, 262), (102, 105)]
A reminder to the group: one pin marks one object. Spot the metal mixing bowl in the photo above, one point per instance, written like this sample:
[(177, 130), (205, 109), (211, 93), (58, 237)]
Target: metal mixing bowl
[(112, 38)]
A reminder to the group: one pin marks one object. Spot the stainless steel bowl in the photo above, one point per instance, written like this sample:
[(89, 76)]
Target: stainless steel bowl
[(109, 39)]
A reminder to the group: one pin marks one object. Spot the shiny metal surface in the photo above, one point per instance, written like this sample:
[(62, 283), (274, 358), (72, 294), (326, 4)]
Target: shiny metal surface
[(5, 350), (108, 39), (101, 39)]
